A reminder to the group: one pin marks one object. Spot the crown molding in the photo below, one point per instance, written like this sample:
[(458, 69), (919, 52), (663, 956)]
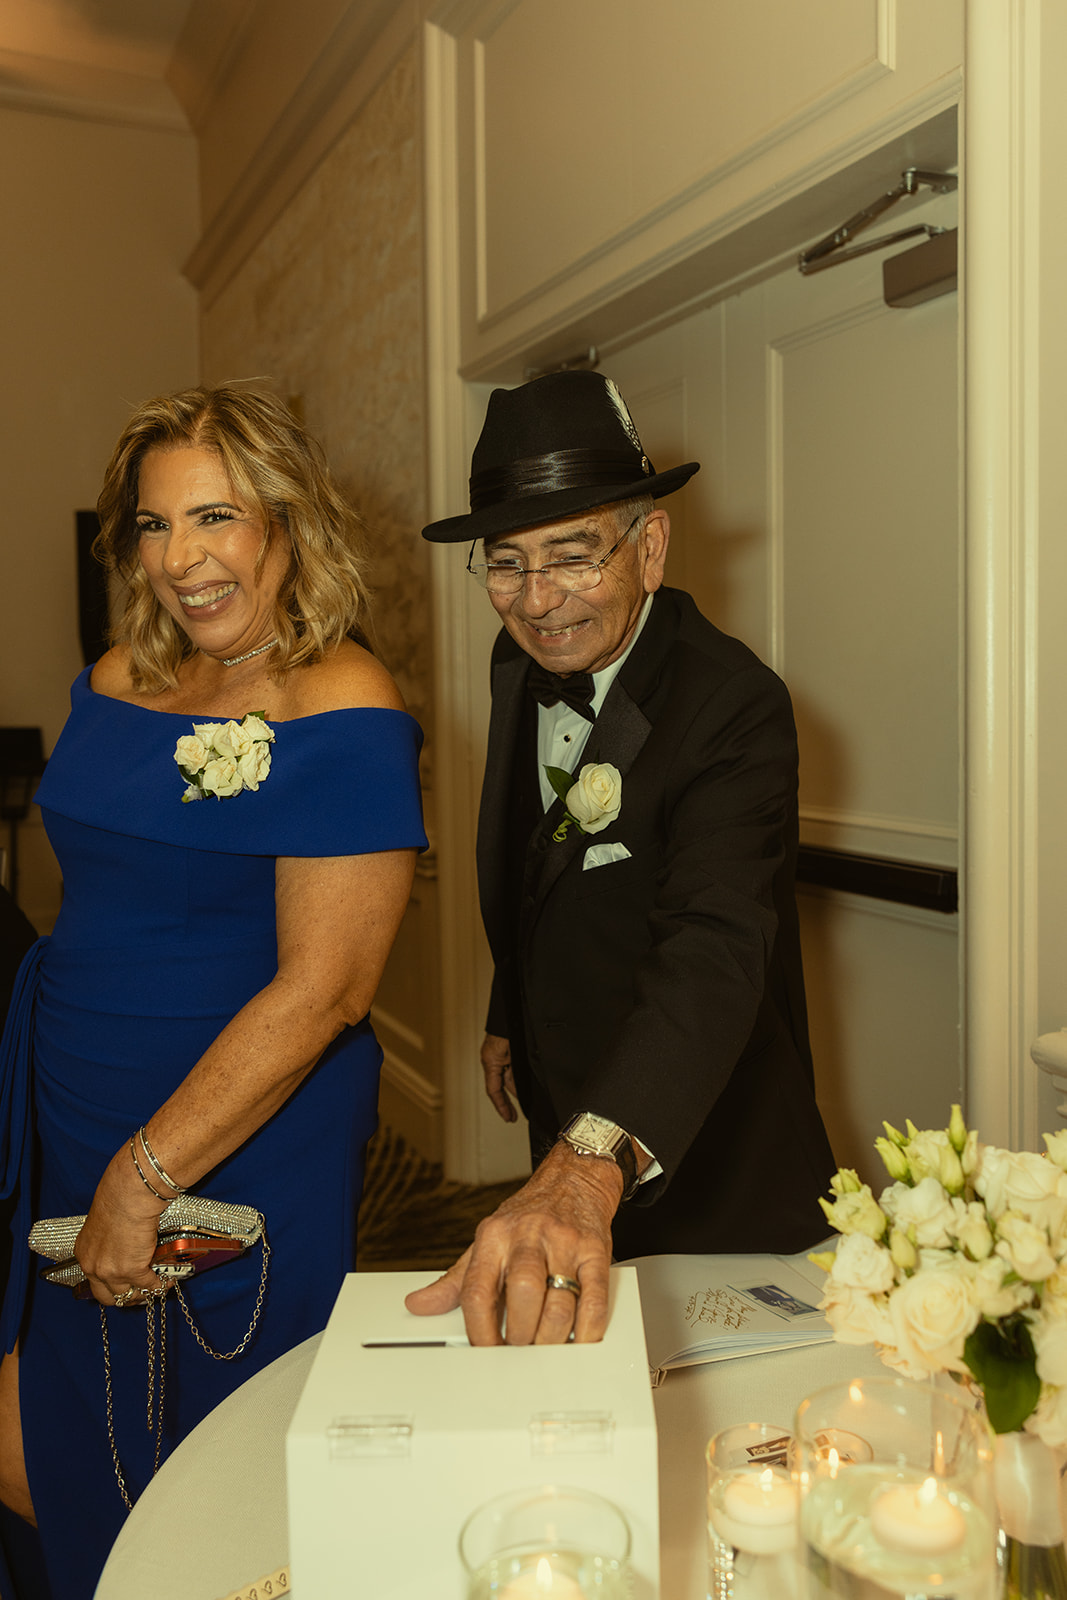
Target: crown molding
[(357, 56), (55, 88), (214, 34)]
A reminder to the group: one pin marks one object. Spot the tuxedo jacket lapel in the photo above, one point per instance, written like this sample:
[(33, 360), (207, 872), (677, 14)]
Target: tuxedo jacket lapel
[(617, 737)]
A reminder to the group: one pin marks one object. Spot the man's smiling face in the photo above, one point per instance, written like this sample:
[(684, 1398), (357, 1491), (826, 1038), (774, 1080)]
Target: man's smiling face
[(583, 630)]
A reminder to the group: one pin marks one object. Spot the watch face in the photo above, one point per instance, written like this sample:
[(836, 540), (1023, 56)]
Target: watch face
[(597, 1133)]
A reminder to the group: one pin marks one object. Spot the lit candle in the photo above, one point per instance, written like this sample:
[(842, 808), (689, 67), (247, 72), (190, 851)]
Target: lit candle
[(539, 1579), (840, 1448), (755, 1511), (917, 1520)]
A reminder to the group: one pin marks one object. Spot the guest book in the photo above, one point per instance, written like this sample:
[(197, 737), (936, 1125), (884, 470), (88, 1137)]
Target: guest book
[(403, 1431), (710, 1308)]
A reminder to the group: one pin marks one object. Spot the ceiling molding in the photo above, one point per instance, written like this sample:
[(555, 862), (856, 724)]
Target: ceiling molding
[(351, 65), (52, 87), (207, 47)]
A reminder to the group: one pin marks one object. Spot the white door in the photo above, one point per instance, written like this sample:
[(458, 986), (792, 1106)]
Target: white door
[(823, 530)]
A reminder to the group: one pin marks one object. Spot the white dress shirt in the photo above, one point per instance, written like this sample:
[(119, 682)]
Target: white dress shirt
[(562, 732), (562, 735)]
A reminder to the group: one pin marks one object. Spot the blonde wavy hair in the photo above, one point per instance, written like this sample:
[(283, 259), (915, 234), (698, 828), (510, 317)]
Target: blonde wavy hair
[(281, 473)]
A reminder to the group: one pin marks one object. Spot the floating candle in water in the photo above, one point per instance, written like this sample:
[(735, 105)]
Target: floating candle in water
[(917, 1519), (755, 1511)]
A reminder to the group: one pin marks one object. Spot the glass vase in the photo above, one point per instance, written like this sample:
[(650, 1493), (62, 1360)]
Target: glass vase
[(1029, 1479)]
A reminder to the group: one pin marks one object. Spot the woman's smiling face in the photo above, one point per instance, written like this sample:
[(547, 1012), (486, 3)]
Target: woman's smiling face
[(199, 543)]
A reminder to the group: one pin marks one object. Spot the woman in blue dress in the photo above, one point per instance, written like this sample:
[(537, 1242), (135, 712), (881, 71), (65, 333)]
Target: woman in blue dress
[(198, 1019)]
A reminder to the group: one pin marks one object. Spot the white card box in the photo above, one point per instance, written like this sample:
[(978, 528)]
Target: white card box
[(396, 1440)]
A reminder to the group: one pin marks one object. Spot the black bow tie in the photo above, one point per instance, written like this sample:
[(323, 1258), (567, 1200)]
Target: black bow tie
[(575, 690)]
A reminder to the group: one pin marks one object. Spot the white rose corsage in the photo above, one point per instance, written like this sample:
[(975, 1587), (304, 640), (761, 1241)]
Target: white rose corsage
[(591, 801), (222, 758)]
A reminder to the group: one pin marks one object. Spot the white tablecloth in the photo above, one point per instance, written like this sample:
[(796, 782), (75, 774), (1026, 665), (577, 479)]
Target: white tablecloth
[(214, 1520)]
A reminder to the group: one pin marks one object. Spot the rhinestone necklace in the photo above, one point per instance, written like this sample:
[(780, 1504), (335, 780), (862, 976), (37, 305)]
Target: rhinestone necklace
[(235, 661)]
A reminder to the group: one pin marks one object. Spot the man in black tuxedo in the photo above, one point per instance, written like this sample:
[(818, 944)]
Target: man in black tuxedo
[(648, 1000)]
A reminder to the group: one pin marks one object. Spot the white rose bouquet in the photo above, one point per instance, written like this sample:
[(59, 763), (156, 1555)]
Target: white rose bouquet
[(959, 1266), (222, 758), (591, 801)]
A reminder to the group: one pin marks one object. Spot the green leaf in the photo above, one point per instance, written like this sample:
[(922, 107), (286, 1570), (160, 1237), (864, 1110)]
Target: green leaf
[(1001, 1358), (562, 782)]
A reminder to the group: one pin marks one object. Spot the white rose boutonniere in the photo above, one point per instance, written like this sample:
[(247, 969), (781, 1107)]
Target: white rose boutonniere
[(222, 758), (591, 801)]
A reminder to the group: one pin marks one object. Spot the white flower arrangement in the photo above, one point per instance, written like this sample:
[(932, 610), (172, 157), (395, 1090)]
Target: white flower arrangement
[(959, 1266), (591, 801), (222, 758)]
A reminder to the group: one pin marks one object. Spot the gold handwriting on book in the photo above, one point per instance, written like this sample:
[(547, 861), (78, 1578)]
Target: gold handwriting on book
[(717, 1308)]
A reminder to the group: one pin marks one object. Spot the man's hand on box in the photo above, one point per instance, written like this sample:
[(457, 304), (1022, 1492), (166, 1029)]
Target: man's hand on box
[(558, 1225)]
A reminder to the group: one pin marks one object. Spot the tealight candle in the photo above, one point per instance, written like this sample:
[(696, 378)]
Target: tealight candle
[(539, 1579), (915, 1519), (840, 1448), (755, 1511)]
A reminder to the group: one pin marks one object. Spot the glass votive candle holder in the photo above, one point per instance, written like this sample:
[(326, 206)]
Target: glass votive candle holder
[(913, 1512), (546, 1543), (752, 1514)]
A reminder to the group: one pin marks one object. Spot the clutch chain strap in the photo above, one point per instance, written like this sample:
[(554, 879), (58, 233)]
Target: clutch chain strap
[(154, 1407), (228, 1355), (152, 1404)]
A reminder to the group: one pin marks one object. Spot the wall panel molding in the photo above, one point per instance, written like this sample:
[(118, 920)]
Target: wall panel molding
[(909, 838), (915, 916), (687, 195), (683, 256), (385, 1021), (409, 1082), (777, 350)]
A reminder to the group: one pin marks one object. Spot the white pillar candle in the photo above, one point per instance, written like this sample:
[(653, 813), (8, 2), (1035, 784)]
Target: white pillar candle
[(916, 1519), (755, 1511)]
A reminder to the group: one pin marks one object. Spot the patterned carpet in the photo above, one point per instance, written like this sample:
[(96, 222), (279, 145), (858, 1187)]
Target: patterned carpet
[(410, 1216)]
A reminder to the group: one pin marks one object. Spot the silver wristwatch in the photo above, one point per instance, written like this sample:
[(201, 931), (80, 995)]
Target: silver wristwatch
[(590, 1135)]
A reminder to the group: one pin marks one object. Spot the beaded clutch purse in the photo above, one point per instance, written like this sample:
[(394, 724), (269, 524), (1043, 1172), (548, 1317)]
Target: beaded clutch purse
[(194, 1233)]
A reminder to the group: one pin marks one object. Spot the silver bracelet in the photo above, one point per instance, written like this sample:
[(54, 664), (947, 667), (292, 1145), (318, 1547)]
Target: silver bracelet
[(178, 1188), (165, 1199)]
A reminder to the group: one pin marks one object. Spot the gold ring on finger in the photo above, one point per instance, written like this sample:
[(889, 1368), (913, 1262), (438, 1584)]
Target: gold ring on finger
[(556, 1280), (125, 1297)]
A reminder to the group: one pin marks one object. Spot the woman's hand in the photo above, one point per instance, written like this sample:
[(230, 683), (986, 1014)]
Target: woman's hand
[(116, 1245)]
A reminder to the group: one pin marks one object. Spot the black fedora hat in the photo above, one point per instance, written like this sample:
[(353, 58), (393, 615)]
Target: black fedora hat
[(550, 449)]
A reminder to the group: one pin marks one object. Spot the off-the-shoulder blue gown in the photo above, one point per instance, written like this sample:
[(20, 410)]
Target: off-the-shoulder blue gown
[(167, 929)]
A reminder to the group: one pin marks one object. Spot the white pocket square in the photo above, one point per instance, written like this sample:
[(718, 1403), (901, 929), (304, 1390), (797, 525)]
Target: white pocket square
[(602, 855)]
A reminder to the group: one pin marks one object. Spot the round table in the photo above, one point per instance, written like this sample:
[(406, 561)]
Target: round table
[(214, 1521)]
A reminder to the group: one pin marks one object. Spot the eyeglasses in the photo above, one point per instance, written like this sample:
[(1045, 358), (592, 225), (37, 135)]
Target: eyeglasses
[(572, 572)]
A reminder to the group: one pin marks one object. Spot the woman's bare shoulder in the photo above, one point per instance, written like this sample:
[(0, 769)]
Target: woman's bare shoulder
[(350, 678), (111, 674)]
